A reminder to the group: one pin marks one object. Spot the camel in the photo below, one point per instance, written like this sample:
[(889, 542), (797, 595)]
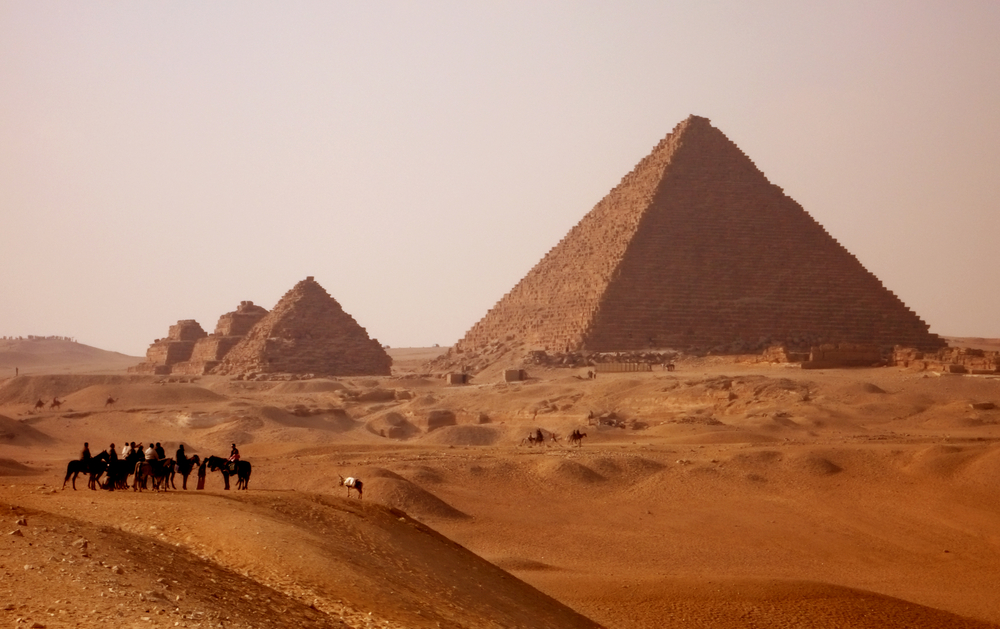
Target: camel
[(577, 437), (55, 403), (111, 402), (40, 404), (351, 483)]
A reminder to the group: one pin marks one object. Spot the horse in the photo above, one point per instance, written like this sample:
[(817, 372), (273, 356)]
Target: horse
[(121, 469), (110, 402), (184, 467), (94, 468), (577, 437), (352, 483), (159, 471), (55, 403), (241, 469)]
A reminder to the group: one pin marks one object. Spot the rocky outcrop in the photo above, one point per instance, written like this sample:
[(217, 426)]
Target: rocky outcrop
[(307, 332), (697, 250)]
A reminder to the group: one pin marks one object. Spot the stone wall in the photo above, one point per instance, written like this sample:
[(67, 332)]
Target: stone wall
[(696, 250)]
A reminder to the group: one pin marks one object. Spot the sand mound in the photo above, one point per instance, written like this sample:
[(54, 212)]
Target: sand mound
[(727, 604), (335, 419), (393, 490), (940, 461), (726, 436), (464, 436), (392, 426), (566, 471), (15, 433), (815, 465), (10, 467), (308, 386), (140, 395), (29, 389), (629, 467)]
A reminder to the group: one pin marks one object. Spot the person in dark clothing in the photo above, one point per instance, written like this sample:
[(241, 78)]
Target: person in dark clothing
[(202, 470), (180, 456), (85, 455), (160, 452), (112, 454)]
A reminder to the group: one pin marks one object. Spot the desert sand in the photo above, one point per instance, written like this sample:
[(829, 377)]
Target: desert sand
[(722, 494)]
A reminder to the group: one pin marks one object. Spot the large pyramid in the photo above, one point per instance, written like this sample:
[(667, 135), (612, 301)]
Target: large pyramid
[(307, 332), (695, 249)]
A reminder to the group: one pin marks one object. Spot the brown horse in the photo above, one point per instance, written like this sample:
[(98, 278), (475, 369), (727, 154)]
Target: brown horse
[(184, 468), (159, 471)]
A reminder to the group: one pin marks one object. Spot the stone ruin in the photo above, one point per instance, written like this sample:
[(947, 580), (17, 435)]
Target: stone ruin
[(696, 251), (948, 360), (306, 332), (189, 350)]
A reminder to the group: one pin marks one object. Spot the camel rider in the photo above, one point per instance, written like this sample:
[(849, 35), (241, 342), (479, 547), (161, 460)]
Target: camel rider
[(234, 456)]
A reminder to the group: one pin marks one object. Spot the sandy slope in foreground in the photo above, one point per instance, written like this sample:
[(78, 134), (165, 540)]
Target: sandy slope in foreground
[(736, 496)]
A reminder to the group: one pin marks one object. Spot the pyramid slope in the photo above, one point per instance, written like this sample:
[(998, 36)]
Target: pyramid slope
[(696, 249), (307, 332)]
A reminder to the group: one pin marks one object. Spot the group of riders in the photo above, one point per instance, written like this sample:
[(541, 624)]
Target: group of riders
[(145, 462), (537, 437)]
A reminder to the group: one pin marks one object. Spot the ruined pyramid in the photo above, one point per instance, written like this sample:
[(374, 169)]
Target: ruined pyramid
[(696, 249), (307, 332)]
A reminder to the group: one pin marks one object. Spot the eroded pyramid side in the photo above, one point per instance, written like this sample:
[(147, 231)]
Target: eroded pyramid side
[(307, 332)]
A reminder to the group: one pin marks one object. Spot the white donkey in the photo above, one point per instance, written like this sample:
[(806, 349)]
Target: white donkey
[(351, 483)]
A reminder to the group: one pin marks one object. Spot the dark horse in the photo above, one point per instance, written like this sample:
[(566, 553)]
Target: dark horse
[(240, 469), (577, 437), (184, 467), (94, 467)]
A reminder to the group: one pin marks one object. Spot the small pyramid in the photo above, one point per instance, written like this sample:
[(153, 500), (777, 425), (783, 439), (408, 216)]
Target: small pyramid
[(307, 332), (696, 249)]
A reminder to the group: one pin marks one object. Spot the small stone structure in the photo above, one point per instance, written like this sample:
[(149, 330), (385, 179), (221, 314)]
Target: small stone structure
[(307, 332), (514, 375), (622, 367), (457, 378)]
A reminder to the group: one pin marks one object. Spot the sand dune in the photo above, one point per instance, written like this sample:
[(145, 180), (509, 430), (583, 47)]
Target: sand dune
[(719, 495)]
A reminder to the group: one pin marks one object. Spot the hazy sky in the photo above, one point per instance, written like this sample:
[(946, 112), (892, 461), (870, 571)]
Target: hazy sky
[(166, 160)]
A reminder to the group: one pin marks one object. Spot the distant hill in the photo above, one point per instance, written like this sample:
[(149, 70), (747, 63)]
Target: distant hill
[(34, 356), (991, 345)]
